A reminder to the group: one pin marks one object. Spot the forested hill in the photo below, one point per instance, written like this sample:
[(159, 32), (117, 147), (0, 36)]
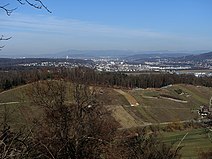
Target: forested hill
[(199, 57), (141, 58)]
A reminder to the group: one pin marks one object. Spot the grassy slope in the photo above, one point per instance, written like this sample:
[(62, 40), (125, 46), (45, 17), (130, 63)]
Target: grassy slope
[(132, 101), (155, 108), (23, 112), (150, 110)]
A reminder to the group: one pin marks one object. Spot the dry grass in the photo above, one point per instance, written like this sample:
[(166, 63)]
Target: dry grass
[(123, 117)]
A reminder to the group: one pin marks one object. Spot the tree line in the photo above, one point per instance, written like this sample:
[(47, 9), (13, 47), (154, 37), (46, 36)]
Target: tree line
[(118, 79), (11, 78)]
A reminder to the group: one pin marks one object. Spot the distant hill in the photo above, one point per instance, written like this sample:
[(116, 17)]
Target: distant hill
[(199, 57), (10, 62), (157, 55), (125, 54), (140, 58), (88, 54)]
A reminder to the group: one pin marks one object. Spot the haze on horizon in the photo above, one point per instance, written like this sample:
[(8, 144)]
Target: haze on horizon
[(108, 25)]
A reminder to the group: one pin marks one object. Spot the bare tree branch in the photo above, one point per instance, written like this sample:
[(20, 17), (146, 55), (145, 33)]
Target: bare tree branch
[(3, 38), (38, 4), (1, 47), (7, 10)]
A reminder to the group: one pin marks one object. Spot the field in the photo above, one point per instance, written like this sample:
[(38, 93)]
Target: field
[(172, 103), (195, 71), (153, 105), (196, 141)]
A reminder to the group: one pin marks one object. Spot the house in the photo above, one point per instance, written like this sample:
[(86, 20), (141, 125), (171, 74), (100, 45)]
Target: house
[(204, 111)]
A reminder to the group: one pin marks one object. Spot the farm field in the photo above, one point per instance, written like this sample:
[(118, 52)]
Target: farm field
[(196, 141), (171, 103), (195, 71)]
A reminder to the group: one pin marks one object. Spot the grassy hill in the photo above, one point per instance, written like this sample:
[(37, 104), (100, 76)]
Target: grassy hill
[(21, 111), (177, 102), (155, 105)]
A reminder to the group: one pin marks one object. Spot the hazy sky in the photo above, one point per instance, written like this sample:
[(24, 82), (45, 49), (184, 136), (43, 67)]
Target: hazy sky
[(108, 24)]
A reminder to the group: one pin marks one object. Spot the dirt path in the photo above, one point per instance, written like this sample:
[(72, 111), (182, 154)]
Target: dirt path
[(12, 89), (167, 98), (149, 97), (175, 100), (162, 123), (170, 122), (9, 103), (130, 99), (165, 107)]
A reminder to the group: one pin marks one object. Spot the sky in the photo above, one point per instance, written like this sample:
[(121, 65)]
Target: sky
[(138, 25)]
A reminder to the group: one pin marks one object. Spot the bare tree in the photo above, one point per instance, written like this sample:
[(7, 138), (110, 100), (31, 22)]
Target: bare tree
[(142, 143), (12, 144), (78, 128)]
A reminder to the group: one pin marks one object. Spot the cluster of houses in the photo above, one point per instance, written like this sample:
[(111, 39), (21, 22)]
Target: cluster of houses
[(205, 111)]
